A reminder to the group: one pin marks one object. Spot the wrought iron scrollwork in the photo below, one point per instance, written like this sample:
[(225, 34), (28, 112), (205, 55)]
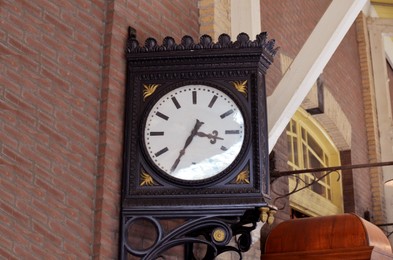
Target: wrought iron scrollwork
[(305, 185), (215, 232)]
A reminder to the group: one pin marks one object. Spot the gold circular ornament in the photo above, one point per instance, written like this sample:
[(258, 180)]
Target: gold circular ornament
[(219, 234)]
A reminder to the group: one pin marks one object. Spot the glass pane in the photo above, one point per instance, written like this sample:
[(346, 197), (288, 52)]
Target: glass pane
[(304, 134), (314, 162), (307, 179), (315, 146), (290, 155), (327, 180), (319, 175), (318, 188), (295, 153), (305, 157), (294, 126), (216, 145)]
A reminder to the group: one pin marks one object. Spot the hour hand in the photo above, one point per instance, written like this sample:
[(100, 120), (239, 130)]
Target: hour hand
[(194, 132), (213, 136)]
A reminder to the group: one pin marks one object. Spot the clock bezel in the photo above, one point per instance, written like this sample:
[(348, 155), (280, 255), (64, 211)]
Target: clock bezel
[(219, 177)]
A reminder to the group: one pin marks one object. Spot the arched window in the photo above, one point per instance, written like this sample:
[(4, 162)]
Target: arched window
[(310, 147)]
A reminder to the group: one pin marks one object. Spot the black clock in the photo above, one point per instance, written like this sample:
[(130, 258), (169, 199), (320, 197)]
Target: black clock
[(195, 143), (195, 124)]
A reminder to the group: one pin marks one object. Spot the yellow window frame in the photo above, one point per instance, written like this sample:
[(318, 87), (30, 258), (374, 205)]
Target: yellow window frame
[(308, 142)]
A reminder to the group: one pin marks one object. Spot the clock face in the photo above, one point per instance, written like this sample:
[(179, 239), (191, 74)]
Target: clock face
[(194, 132)]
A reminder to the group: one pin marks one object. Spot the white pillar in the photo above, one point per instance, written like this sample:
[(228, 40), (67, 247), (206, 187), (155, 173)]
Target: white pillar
[(245, 17), (381, 52)]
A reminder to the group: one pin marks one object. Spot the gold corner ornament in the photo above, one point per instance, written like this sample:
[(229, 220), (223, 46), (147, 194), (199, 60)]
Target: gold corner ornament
[(243, 177), (147, 180), (148, 90), (241, 86)]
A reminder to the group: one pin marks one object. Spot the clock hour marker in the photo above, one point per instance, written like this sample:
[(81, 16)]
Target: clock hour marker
[(223, 148), (177, 105), (232, 132), (162, 116), (156, 133), (194, 97), (161, 151), (212, 101), (226, 114)]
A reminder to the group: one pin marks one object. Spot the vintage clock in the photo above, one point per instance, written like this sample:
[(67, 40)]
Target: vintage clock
[(195, 140)]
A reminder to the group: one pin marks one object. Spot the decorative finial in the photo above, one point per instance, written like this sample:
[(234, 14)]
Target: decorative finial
[(131, 32)]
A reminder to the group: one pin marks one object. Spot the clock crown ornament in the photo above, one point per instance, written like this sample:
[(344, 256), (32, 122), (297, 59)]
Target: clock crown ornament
[(205, 42)]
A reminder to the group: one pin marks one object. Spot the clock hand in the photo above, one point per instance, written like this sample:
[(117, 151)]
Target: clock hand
[(194, 132), (212, 136)]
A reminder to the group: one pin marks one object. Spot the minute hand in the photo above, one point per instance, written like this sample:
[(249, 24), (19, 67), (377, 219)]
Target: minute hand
[(213, 136)]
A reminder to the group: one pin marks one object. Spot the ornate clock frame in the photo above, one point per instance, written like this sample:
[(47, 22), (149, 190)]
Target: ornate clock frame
[(219, 207)]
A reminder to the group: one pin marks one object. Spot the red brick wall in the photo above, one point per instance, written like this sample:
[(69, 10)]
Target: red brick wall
[(290, 23), (61, 94), (343, 77), (50, 88)]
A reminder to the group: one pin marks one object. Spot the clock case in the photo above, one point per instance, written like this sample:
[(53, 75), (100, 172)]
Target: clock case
[(236, 67)]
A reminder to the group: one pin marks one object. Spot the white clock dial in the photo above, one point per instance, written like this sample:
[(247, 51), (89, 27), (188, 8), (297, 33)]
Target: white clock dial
[(194, 132)]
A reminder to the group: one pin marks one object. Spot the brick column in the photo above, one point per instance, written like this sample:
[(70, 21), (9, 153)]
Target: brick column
[(374, 153), (215, 17)]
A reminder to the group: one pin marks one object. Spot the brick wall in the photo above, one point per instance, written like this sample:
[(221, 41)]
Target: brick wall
[(214, 17), (61, 94), (50, 88)]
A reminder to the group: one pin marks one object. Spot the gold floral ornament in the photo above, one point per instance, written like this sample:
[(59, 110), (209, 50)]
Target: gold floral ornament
[(147, 180), (148, 90), (241, 86), (243, 177)]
